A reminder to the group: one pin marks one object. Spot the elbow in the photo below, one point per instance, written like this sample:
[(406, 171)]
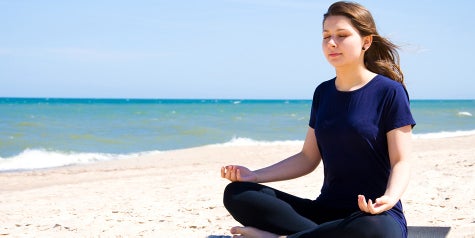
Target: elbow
[(311, 164)]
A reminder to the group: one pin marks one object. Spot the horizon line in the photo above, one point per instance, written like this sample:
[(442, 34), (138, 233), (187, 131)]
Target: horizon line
[(206, 99)]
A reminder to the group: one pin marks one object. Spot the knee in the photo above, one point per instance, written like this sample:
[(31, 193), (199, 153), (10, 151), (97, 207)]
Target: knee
[(382, 225), (237, 193), (229, 193)]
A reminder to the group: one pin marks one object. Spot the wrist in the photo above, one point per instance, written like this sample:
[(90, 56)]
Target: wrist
[(257, 176)]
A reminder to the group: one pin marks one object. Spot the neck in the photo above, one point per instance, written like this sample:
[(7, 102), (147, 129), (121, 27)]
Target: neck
[(352, 79)]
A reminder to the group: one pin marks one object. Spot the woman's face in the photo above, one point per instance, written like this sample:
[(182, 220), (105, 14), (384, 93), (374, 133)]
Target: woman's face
[(342, 44)]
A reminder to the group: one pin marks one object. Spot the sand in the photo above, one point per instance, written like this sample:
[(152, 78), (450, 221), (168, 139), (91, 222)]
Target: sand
[(179, 193)]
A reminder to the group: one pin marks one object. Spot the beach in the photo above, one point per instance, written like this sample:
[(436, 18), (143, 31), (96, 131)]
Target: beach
[(178, 193)]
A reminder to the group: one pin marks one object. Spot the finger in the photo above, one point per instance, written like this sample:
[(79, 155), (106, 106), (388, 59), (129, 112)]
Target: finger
[(223, 172), (377, 208), (362, 203), (382, 206), (371, 207), (234, 174), (229, 172)]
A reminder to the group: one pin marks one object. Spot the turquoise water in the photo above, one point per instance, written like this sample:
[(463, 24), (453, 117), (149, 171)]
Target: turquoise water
[(439, 116), (39, 133)]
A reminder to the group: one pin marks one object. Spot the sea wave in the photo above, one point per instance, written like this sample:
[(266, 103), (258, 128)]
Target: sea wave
[(464, 114), (444, 134), (243, 141), (31, 159)]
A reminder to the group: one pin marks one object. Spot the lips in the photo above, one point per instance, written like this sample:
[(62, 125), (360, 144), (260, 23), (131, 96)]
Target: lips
[(334, 54)]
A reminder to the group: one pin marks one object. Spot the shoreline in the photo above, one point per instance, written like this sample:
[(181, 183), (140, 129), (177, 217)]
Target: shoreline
[(178, 192), (16, 164)]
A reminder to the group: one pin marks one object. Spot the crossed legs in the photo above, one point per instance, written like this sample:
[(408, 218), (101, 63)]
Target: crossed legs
[(265, 211)]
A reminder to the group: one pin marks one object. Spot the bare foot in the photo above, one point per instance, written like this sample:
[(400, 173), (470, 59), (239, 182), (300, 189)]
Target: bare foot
[(251, 232)]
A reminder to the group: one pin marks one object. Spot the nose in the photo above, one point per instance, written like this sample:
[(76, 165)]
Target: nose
[(331, 42)]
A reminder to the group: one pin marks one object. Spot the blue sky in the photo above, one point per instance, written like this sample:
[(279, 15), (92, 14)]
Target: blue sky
[(260, 49)]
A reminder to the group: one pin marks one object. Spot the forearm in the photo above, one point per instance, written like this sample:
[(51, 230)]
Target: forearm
[(399, 145), (292, 167), (398, 180), (295, 166)]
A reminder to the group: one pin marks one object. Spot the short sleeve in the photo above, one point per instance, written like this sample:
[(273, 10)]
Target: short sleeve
[(314, 109), (398, 112)]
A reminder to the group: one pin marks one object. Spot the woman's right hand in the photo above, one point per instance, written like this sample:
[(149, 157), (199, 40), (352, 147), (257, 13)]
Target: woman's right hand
[(238, 173)]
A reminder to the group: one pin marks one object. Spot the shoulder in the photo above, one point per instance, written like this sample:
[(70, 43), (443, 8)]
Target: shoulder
[(322, 89), (325, 85), (387, 87), (383, 81)]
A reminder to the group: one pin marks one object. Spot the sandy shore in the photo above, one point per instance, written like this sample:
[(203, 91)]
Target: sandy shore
[(178, 193)]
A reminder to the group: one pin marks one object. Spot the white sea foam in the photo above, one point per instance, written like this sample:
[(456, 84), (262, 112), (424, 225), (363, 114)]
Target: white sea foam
[(242, 141), (40, 159), (32, 159), (464, 114), (444, 134)]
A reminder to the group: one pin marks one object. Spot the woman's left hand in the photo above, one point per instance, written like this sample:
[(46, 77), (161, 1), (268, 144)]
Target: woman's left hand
[(381, 204)]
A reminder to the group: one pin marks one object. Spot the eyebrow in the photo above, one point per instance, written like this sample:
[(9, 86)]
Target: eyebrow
[(342, 29)]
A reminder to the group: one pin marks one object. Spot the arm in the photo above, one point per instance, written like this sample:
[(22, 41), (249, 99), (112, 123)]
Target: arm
[(295, 166), (399, 146)]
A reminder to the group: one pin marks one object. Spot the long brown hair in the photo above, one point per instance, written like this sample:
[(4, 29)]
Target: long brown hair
[(382, 56)]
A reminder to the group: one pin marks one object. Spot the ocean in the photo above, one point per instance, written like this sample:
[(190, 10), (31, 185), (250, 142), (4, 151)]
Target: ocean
[(38, 133)]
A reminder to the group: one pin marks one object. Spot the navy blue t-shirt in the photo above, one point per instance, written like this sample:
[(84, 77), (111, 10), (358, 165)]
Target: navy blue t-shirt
[(351, 129)]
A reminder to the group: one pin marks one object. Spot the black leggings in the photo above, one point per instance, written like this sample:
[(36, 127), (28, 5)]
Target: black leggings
[(274, 211)]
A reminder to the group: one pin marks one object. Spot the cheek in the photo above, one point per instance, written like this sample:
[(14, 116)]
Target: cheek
[(355, 51), (352, 48), (324, 49)]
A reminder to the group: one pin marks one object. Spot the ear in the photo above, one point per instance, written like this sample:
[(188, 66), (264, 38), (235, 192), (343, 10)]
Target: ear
[(367, 41)]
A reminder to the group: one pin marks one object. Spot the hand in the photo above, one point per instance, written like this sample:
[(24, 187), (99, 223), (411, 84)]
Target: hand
[(382, 204), (238, 173)]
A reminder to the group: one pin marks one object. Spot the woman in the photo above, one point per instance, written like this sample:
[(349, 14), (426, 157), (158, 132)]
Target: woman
[(360, 128)]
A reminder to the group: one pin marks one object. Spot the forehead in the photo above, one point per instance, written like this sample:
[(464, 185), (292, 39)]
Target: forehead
[(334, 23)]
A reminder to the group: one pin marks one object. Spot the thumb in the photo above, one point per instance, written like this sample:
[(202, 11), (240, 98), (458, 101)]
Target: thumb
[(382, 200), (238, 175)]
